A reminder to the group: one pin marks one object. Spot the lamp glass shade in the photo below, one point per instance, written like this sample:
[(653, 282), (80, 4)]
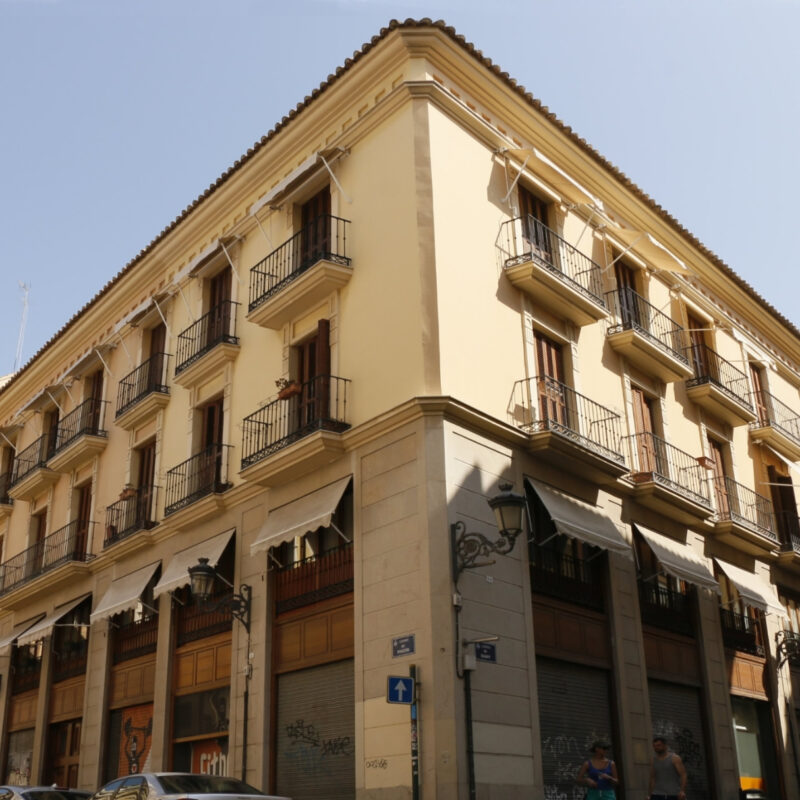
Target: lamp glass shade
[(202, 579), (508, 508)]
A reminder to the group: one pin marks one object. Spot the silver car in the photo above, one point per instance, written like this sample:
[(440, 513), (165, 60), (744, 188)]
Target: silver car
[(179, 786), (41, 793)]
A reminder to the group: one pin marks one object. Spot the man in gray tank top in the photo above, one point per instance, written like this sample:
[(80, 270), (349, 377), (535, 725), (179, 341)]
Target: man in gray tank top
[(667, 773)]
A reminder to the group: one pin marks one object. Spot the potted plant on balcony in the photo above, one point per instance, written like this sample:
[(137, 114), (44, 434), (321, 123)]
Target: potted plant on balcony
[(288, 388)]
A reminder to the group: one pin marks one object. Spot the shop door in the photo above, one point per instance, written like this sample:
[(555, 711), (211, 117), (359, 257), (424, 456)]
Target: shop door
[(677, 716), (315, 733), (574, 711), (63, 753), (755, 750)]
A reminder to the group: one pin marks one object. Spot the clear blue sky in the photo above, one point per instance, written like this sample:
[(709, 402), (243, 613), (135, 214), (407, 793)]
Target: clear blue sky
[(116, 114)]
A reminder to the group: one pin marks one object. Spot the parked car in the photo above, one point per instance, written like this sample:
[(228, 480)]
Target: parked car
[(41, 793), (179, 786)]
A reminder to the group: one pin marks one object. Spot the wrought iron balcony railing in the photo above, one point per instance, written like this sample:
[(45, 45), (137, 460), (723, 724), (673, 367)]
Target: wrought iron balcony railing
[(663, 607), (773, 412), (633, 312), (739, 504), (741, 632), (550, 405), (35, 455), (84, 420), (5, 482), (324, 239), (137, 638), (318, 404), (660, 462), (574, 580), (26, 668), (710, 367), (218, 326), (313, 579), (135, 511), (203, 474), (194, 621), (150, 376), (69, 659), (61, 547), (526, 239)]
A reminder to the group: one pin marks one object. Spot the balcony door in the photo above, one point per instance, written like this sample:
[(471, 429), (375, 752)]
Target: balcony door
[(535, 232), (550, 369), (39, 533), (629, 308), (313, 372), (315, 236), (758, 395), (722, 500), (51, 420), (158, 346), (649, 451), (698, 347), (82, 520), (146, 479), (219, 295), (208, 474), (783, 501), (92, 423)]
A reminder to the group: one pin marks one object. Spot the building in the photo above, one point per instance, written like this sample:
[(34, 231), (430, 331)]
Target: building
[(419, 285)]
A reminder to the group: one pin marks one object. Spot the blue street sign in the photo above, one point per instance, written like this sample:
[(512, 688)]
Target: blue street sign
[(486, 651), (403, 646), (400, 689)]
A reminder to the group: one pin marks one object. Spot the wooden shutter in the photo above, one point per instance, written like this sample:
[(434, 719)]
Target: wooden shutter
[(697, 347), (315, 220), (533, 211), (783, 501), (629, 310), (643, 424), (758, 395), (550, 369), (146, 481), (720, 487), (83, 517)]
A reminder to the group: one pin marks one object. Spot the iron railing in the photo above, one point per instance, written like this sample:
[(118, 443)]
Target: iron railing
[(788, 526), (666, 608), (218, 326), (526, 239), (549, 404), (137, 638), (84, 420), (777, 414), (64, 545), (69, 659), (26, 668), (656, 460), (202, 474), (35, 455), (739, 504), (565, 577), (313, 579), (633, 312), (318, 404), (710, 367), (194, 621), (150, 376), (133, 512), (323, 239), (5, 482), (741, 632)]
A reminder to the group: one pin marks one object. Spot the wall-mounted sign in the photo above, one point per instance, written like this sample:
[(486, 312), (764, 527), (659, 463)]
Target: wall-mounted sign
[(404, 646), (486, 651)]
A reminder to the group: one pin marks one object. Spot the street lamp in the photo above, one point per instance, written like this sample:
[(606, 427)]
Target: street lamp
[(202, 577)]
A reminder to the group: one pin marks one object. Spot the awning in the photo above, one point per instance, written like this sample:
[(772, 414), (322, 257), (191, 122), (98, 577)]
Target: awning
[(86, 362), (18, 631), (176, 574), (753, 589), (679, 560), (793, 466), (301, 516), (580, 520), (124, 593), (45, 626), (642, 242)]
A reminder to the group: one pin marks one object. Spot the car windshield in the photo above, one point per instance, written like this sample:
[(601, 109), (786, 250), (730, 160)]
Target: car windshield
[(204, 784)]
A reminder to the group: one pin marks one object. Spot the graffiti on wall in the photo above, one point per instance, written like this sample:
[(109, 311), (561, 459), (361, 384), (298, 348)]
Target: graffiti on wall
[(562, 758)]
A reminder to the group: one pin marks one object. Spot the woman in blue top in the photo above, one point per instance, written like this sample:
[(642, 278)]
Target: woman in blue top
[(599, 774)]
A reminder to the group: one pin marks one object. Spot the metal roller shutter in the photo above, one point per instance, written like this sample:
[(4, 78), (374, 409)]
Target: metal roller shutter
[(574, 711), (677, 716), (315, 736)]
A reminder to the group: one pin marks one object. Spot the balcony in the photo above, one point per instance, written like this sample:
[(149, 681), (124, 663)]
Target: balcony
[(744, 518), (549, 269), (26, 668), (300, 273), (777, 425), (194, 621), (569, 430), (207, 345), (668, 480), (67, 545), (6, 503), (719, 387), (135, 639), (573, 580), (741, 633), (80, 436), (134, 511), (646, 337), (314, 579), (30, 475), (295, 435), (202, 475), (142, 392), (665, 608)]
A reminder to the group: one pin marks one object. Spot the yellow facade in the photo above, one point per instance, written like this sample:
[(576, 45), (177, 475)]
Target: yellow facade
[(465, 294)]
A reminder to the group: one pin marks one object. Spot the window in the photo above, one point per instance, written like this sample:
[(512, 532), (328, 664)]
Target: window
[(630, 309), (50, 430), (315, 224), (218, 304), (698, 346), (38, 532), (551, 388), (719, 473), (71, 642), (83, 502), (741, 623), (759, 396), (783, 501), (536, 233), (649, 447), (312, 368)]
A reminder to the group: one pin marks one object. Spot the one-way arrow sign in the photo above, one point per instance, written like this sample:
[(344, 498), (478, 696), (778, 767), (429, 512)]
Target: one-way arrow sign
[(400, 689)]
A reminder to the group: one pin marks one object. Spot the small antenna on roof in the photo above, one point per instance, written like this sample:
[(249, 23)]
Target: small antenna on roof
[(21, 338)]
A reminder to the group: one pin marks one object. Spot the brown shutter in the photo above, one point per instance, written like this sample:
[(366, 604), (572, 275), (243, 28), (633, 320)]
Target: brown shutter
[(758, 395), (718, 467), (550, 368), (697, 346)]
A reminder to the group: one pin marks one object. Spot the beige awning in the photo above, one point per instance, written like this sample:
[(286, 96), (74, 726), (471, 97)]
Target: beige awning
[(679, 560), (124, 593), (642, 242), (580, 520), (301, 516), (176, 574), (45, 626), (753, 589), (18, 631)]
